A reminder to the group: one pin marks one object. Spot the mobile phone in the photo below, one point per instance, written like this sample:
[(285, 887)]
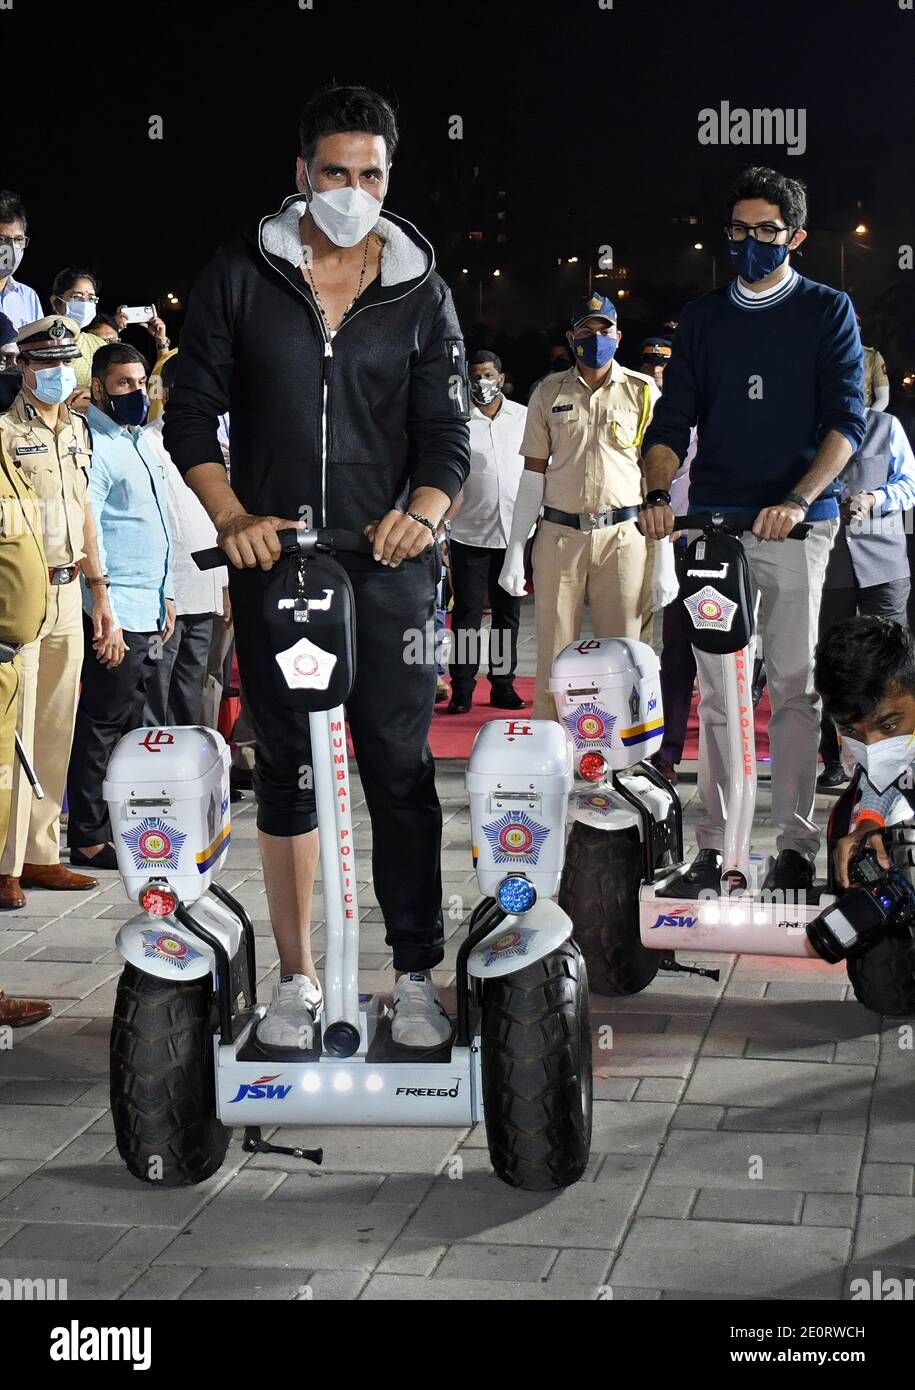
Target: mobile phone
[(141, 313)]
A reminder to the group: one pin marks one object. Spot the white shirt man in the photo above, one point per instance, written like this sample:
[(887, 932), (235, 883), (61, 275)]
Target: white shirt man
[(479, 535)]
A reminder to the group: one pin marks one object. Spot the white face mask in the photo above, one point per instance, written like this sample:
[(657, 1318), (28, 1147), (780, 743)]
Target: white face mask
[(883, 762), (344, 215)]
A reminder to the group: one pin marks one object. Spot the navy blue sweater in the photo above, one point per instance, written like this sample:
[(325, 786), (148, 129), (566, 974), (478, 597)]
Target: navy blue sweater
[(805, 351)]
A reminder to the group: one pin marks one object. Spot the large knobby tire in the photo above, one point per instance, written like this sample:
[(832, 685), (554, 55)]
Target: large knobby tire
[(162, 1084), (883, 977), (600, 892), (536, 1068)]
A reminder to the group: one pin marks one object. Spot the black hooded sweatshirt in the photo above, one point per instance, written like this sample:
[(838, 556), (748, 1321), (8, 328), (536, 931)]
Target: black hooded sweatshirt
[(348, 428)]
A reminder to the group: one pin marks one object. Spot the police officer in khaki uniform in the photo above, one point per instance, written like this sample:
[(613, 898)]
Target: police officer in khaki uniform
[(24, 597), (581, 449), (50, 446)]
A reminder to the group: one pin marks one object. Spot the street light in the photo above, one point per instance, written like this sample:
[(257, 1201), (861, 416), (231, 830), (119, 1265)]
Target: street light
[(697, 246), (860, 230)]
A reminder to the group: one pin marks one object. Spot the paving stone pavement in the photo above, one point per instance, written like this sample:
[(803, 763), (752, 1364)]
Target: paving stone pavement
[(752, 1138)]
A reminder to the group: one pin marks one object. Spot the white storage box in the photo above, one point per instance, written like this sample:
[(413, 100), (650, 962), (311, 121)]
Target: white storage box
[(519, 777), (168, 798), (608, 695)]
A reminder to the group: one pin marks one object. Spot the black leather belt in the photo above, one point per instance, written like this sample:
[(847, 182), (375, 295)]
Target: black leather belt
[(590, 521)]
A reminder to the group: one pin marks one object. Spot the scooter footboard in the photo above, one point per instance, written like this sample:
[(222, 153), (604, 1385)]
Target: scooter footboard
[(732, 926)]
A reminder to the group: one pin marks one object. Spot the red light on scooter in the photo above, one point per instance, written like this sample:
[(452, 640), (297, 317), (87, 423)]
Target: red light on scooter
[(158, 901), (593, 766)]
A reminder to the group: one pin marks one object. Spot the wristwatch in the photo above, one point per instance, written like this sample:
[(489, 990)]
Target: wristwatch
[(98, 579), (657, 498), (798, 501)]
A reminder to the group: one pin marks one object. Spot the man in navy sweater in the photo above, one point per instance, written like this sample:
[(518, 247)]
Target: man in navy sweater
[(770, 370)]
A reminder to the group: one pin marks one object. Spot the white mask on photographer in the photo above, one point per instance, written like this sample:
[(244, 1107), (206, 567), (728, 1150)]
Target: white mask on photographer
[(344, 215), (883, 762)]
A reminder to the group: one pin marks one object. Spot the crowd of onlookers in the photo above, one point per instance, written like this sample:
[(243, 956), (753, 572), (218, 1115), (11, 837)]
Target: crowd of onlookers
[(123, 630)]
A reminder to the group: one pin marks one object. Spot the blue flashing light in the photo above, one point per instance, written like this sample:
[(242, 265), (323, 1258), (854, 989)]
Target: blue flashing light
[(516, 894), (887, 902)]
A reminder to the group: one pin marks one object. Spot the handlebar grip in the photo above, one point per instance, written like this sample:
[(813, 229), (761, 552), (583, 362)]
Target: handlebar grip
[(734, 522), (209, 559), (326, 540)]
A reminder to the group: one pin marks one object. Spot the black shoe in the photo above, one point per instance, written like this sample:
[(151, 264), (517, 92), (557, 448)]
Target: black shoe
[(790, 870), (703, 873), (506, 697), (833, 775), (105, 859), (458, 705)]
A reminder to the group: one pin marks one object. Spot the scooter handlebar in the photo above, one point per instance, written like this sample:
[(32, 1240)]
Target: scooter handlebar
[(734, 522), (292, 541)]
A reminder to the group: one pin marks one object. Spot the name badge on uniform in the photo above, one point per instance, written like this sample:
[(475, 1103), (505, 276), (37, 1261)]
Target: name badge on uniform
[(555, 409), (32, 449)]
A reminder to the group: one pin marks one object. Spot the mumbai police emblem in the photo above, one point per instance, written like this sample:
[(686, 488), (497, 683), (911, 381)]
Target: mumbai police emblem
[(58, 329), (595, 302), (155, 844), (515, 836), (589, 724), (709, 609)]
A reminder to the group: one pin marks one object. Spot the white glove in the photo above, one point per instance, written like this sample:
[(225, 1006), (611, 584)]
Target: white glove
[(527, 509), (664, 583)]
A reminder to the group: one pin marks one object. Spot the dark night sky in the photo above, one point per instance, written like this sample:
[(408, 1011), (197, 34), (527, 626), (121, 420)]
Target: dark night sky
[(587, 117)]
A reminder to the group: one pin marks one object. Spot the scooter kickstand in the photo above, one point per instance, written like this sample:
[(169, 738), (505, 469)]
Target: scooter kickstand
[(669, 963), (254, 1144)]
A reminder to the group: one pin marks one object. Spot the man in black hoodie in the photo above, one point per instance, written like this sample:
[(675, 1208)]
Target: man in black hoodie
[(336, 349)]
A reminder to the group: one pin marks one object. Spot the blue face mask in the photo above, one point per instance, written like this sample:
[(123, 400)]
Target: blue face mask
[(596, 350), (79, 310), (755, 261), (54, 384), (131, 408)]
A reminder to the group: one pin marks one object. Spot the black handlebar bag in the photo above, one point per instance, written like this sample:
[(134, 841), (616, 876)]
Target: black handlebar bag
[(309, 614), (717, 593)]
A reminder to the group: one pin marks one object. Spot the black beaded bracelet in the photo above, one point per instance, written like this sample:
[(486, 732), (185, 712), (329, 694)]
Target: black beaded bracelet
[(424, 520)]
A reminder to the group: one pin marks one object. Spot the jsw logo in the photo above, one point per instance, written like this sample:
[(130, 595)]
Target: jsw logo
[(261, 1090), (677, 918)]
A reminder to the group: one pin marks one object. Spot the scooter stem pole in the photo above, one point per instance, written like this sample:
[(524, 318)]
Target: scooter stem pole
[(346, 860), (737, 670), (323, 770)]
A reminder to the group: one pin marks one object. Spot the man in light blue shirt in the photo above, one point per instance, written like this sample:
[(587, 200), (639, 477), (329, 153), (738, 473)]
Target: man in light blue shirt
[(19, 302), (868, 570), (129, 499)]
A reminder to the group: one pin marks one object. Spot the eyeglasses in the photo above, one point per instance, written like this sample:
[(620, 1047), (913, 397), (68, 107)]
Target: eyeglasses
[(766, 232), (78, 298), (20, 242)]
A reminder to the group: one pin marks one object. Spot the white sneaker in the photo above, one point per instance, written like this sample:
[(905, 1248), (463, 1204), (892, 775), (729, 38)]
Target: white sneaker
[(293, 1011), (419, 1019)]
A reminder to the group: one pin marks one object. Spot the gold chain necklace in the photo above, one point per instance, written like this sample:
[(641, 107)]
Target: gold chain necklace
[(314, 288)]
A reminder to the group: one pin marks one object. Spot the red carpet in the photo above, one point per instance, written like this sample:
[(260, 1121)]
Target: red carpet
[(452, 735), (691, 746)]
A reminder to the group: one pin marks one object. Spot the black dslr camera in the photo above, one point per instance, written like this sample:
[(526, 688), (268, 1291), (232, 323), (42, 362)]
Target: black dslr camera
[(879, 901)]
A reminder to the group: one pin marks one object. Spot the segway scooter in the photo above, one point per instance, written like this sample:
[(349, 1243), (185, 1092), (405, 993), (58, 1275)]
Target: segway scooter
[(625, 849), (186, 1064)]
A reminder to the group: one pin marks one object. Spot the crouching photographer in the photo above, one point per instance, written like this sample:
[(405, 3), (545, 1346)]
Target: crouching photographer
[(865, 674)]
